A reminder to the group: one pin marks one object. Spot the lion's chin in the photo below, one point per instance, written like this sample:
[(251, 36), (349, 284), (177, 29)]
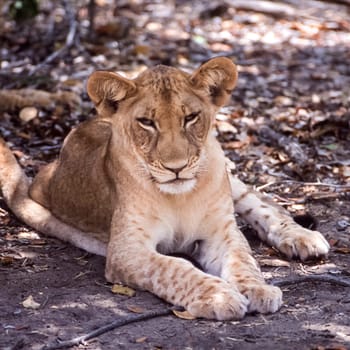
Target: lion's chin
[(177, 186)]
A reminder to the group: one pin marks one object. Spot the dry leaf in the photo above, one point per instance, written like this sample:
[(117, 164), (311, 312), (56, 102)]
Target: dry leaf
[(135, 309), (185, 315), (6, 260), (142, 50), (333, 242), (23, 135), (283, 101), (270, 251), (28, 235), (30, 303), (346, 171), (330, 347), (342, 250), (123, 290), (141, 340), (226, 127), (28, 113), (235, 144)]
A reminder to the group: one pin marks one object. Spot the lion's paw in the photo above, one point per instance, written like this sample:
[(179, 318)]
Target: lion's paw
[(264, 298), (223, 303), (302, 243)]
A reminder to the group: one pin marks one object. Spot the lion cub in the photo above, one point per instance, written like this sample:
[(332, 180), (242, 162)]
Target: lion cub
[(147, 178)]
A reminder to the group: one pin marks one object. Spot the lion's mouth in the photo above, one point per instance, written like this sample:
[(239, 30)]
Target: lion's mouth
[(177, 185), (176, 181)]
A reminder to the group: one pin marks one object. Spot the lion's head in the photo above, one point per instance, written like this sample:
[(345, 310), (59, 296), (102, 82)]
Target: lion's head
[(166, 115)]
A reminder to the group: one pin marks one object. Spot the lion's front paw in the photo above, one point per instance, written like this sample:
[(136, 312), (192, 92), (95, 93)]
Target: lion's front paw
[(302, 243), (305, 244), (264, 298), (223, 303)]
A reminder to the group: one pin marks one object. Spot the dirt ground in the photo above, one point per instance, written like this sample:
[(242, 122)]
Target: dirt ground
[(287, 130), (75, 299)]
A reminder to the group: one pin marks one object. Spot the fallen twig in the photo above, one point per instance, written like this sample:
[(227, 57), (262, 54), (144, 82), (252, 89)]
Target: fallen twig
[(300, 183), (324, 195), (91, 11), (288, 144), (335, 191), (73, 25), (108, 327), (308, 197), (341, 2), (312, 278), (273, 9), (277, 9)]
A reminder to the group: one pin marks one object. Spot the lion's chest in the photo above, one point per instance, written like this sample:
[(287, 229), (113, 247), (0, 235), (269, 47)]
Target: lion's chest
[(177, 227)]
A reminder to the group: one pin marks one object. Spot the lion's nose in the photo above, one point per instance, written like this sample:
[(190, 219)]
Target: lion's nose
[(175, 167)]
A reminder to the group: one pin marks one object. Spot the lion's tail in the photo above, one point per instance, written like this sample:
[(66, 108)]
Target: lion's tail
[(14, 186)]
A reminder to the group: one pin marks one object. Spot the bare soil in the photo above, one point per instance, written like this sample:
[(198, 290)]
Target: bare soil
[(75, 299)]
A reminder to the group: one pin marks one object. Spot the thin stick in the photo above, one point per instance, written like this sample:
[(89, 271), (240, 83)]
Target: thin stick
[(312, 278), (341, 2), (108, 327), (91, 11), (300, 183), (73, 25)]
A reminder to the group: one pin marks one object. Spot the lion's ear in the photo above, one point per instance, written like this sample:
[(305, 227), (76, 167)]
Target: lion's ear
[(218, 77), (106, 89)]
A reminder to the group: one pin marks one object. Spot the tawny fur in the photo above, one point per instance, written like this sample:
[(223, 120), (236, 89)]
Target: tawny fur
[(147, 178)]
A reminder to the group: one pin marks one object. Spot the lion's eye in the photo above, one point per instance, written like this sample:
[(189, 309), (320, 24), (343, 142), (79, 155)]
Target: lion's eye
[(146, 122), (191, 118)]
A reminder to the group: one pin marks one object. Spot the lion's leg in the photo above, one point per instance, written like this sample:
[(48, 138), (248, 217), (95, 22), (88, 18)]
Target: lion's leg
[(230, 258), (173, 279), (275, 225)]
